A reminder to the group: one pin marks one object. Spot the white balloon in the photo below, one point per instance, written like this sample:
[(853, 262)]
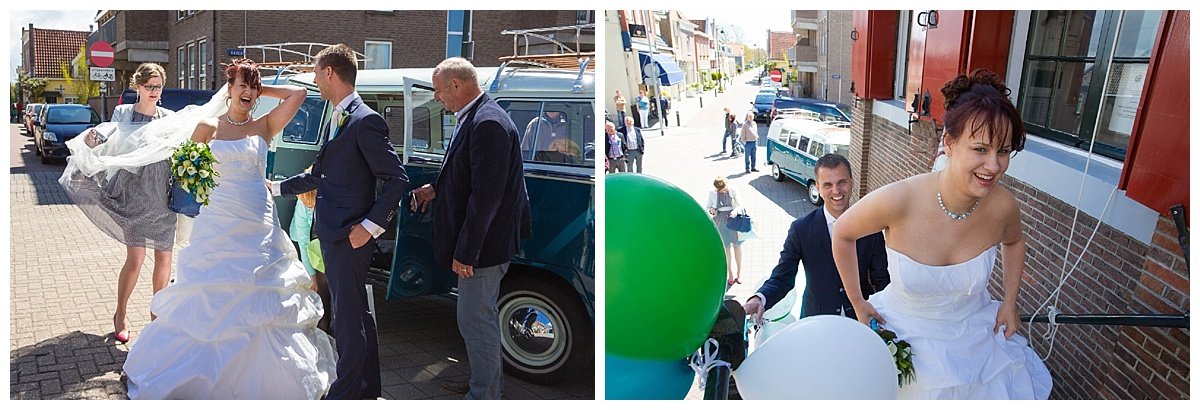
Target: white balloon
[(822, 357), (784, 306), (770, 328)]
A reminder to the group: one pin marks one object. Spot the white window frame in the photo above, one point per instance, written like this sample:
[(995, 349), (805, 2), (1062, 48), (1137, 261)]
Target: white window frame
[(202, 49), (370, 65), (182, 56), (465, 35), (191, 55)]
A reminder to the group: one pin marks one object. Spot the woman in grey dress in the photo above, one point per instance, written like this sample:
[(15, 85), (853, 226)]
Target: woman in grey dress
[(131, 206), (722, 202)]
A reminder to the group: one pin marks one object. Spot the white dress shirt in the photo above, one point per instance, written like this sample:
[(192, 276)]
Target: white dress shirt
[(458, 117), (371, 227)]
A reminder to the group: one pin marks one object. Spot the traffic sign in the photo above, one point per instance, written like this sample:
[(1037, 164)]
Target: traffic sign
[(776, 76), (836, 76), (101, 54), (103, 74)]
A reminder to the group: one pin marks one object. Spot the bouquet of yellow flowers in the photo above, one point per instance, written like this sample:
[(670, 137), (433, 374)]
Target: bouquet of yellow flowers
[(192, 169), (901, 353)]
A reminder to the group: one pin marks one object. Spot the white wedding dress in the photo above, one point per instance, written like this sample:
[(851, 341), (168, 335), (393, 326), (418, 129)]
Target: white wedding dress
[(947, 315), (240, 320)]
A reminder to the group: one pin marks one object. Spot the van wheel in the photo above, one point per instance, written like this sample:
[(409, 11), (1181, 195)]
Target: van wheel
[(544, 331), (814, 193), (776, 173)]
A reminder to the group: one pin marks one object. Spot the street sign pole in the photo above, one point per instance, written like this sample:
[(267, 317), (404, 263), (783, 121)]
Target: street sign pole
[(652, 38)]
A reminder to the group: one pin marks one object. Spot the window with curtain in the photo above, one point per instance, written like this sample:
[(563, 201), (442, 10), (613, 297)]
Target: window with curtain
[(191, 55), (1077, 86), (379, 55), (203, 63), (182, 63)]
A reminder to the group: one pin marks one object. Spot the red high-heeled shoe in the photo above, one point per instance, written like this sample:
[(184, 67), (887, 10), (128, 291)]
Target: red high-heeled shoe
[(121, 335)]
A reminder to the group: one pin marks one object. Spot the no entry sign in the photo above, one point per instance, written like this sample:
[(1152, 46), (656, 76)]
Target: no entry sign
[(101, 54)]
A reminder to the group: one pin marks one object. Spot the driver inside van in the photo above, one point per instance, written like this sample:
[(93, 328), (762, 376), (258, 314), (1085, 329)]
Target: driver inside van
[(548, 133)]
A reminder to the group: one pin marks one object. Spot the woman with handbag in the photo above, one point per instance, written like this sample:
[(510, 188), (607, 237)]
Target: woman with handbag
[(721, 203), (130, 205)]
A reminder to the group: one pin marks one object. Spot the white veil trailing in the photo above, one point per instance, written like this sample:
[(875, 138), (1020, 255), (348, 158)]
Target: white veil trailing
[(131, 146)]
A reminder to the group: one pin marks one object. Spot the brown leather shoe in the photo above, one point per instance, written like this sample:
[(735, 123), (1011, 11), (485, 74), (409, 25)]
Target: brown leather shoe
[(457, 386)]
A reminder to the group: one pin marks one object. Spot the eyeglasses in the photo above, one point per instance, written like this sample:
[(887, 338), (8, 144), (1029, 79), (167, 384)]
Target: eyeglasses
[(152, 87)]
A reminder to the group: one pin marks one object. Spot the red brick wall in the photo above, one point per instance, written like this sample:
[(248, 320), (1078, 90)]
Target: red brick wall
[(780, 42), (1117, 275)]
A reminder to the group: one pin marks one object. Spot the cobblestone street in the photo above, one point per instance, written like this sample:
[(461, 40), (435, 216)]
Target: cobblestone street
[(62, 285)]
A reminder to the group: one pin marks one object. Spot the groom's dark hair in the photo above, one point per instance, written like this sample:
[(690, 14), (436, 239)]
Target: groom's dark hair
[(342, 60)]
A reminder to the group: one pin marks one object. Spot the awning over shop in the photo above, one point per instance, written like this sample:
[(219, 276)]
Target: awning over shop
[(669, 72)]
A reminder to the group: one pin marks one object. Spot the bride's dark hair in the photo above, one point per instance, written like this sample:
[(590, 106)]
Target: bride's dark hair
[(983, 96), (247, 70)]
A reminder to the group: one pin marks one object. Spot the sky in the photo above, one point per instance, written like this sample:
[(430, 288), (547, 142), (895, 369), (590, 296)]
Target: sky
[(754, 21), (55, 19)]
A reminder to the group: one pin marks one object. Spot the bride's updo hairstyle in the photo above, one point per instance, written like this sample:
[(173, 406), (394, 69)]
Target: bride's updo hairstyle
[(981, 100), (247, 70)]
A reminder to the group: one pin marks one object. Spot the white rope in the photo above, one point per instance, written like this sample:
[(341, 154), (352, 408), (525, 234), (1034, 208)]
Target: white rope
[(1066, 274), (705, 359)]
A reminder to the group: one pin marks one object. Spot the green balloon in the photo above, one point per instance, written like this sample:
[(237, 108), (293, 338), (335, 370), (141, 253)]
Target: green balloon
[(664, 273)]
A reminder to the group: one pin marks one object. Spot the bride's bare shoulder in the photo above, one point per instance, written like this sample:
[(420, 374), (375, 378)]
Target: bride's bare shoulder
[(205, 129)]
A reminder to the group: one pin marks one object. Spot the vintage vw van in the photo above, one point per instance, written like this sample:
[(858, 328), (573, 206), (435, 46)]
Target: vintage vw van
[(547, 298), (795, 144)]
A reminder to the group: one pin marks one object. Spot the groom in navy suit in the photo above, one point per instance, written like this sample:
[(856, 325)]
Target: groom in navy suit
[(808, 242), (349, 215)]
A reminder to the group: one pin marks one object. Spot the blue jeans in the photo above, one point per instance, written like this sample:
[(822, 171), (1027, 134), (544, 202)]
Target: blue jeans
[(729, 136), (751, 155)]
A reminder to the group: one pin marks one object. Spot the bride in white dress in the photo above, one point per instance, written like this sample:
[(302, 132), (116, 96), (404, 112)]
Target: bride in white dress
[(240, 320), (943, 231)]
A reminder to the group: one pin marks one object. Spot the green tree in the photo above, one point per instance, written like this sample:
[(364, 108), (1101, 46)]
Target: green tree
[(80, 83), (33, 86)]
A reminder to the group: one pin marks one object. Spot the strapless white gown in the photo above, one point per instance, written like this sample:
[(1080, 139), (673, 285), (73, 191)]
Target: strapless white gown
[(240, 320), (947, 314)]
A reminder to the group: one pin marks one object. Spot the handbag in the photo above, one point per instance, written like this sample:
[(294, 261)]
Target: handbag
[(740, 222), (181, 201)]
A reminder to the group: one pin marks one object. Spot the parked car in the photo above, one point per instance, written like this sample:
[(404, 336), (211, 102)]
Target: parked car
[(547, 298), (59, 123), (827, 111), (762, 105), (173, 99), (30, 115), (795, 144)]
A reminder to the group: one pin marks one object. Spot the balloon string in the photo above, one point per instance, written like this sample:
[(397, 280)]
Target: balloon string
[(705, 359)]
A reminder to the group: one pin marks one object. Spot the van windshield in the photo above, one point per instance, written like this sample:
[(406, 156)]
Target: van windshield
[(764, 99)]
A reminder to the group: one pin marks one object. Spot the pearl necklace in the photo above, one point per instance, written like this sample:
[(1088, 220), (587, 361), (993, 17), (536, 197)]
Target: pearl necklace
[(955, 216), (237, 124)]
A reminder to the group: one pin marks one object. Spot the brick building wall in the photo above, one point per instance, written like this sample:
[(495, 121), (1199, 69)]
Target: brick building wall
[(1117, 275), (778, 44)]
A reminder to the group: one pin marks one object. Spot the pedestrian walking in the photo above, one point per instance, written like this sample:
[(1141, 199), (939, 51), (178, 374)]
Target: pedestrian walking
[(614, 148), (749, 138), (722, 202), (730, 130), (642, 106)]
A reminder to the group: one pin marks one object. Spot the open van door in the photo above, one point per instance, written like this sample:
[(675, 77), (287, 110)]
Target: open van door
[(427, 125)]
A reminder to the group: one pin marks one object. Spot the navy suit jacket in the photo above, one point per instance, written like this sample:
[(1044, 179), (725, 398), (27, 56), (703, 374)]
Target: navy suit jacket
[(808, 242), (346, 173), (481, 211), (636, 133)]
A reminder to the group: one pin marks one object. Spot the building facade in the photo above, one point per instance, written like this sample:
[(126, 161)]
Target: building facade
[(43, 51), (803, 55), (1104, 97), (832, 82)]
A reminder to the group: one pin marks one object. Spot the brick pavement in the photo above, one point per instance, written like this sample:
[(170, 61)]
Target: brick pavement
[(63, 279)]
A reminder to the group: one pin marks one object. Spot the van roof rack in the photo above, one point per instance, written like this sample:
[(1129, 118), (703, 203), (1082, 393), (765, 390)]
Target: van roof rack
[(289, 58), (565, 57)]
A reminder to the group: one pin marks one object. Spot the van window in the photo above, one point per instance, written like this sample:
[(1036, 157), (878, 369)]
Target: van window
[(786, 137), (305, 127), (802, 144), (842, 150), (557, 132), (817, 149)]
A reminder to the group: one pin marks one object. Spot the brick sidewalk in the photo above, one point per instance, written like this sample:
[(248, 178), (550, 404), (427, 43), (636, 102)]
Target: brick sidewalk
[(62, 282)]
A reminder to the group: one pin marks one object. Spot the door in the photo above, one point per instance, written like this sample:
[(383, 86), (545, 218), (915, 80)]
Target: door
[(296, 148)]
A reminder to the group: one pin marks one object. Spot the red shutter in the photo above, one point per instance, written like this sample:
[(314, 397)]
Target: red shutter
[(1156, 165), (874, 46), (962, 41)]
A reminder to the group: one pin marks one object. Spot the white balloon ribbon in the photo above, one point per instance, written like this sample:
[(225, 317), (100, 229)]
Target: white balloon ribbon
[(705, 359)]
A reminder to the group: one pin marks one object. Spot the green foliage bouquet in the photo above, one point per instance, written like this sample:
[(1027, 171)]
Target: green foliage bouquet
[(901, 353), (192, 167)]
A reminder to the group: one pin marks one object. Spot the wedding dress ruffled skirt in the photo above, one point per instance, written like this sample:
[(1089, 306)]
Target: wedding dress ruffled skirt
[(947, 315), (240, 320)]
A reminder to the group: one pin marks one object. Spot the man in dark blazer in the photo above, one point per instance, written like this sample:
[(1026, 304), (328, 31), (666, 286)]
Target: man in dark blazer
[(349, 215), (635, 146), (808, 242), (480, 215)]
